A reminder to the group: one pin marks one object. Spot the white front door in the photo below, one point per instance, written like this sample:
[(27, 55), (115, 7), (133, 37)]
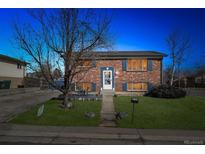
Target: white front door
[(107, 79)]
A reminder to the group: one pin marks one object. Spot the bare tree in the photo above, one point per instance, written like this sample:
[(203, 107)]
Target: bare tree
[(46, 71), (178, 45), (62, 38), (199, 71)]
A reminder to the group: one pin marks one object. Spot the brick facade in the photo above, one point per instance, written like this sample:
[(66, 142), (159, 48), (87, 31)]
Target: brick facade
[(120, 76)]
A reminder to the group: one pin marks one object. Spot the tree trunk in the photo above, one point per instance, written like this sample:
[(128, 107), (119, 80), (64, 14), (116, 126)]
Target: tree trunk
[(172, 76), (179, 77), (67, 102)]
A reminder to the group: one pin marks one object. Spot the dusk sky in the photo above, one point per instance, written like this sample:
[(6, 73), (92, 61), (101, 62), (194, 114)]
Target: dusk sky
[(133, 29)]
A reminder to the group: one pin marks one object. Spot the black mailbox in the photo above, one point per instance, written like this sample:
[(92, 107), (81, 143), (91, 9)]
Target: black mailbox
[(134, 100)]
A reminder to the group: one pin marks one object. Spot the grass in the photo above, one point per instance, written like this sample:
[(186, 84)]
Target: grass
[(153, 113), (54, 115), (158, 113)]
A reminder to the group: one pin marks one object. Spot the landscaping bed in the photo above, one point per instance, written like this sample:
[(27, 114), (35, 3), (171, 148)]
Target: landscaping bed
[(54, 115), (160, 113)]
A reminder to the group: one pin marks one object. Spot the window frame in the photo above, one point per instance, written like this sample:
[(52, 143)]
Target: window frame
[(132, 70), (140, 90), (76, 85), (19, 66)]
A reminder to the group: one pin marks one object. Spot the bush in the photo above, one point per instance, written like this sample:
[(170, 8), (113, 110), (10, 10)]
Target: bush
[(164, 91)]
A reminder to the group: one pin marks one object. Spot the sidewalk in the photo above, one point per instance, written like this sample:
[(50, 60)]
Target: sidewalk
[(14, 104), (27, 134)]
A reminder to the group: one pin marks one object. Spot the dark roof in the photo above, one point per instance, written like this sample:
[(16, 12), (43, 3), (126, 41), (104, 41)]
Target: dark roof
[(11, 60), (129, 54)]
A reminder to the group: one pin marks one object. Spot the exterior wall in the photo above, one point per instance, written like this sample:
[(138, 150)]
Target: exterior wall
[(14, 81), (9, 71), (120, 76)]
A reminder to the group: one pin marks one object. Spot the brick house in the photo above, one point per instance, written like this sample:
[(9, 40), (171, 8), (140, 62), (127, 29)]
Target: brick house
[(123, 72)]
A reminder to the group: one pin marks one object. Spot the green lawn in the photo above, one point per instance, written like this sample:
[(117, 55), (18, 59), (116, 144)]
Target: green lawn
[(183, 113), (54, 115)]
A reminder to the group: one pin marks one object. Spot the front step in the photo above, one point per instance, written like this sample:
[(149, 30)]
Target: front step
[(108, 92)]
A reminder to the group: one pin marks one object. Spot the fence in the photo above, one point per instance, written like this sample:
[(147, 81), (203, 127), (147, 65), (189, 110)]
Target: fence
[(8, 92), (35, 82), (189, 83)]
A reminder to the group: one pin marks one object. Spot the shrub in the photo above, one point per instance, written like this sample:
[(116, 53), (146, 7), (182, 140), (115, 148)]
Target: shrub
[(164, 91)]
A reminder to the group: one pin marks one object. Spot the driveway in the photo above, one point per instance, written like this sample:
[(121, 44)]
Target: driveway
[(15, 104)]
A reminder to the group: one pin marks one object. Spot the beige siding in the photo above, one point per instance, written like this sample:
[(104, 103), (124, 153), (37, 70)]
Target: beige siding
[(11, 70)]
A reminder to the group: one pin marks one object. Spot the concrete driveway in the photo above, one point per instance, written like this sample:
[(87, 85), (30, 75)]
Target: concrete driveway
[(15, 104)]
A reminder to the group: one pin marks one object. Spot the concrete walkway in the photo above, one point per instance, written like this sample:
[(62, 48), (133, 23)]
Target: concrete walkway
[(15, 104), (28, 134), (107, 110)]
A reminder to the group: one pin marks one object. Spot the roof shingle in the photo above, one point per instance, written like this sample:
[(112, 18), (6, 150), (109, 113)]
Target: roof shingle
[(11, 59)]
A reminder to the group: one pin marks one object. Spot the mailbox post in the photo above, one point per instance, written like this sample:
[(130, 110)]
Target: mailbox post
[(134, 101)]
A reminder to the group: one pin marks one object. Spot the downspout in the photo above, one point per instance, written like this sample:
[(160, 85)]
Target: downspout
[(161, 69)]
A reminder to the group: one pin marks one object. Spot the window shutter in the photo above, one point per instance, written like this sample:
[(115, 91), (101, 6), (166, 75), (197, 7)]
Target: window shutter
[(150, 65), (124, 65), (124, 86), (93, 86), (94, 63)]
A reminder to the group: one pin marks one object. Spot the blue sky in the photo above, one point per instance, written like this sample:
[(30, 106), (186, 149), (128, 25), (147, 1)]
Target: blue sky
[(133, 29)]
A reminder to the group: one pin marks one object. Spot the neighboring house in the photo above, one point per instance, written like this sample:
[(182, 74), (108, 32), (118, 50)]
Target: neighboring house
[(12, 70), (200, 79), (32, 75), (123, 72), (192, 81)]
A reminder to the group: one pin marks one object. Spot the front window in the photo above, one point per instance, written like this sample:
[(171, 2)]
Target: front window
[(137, 65), (137, 86), (83, 86)]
